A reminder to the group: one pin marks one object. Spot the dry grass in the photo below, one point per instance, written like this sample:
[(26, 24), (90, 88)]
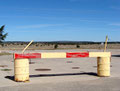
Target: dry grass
[(5, 53), (6, 69)]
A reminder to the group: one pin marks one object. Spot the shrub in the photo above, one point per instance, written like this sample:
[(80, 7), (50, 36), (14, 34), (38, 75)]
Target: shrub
[(56, 46), (77, 46)]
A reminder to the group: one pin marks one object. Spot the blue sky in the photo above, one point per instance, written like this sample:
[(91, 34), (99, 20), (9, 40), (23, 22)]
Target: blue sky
[(56, 20)]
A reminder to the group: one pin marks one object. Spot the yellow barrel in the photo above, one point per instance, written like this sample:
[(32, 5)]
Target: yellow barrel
[(103, 66), (21, 70)]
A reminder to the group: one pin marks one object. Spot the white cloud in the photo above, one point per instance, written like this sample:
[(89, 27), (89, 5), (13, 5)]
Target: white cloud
[(93, 21), (39, 26), (74, 0), (115, 7), (77, 0), (115, 24)]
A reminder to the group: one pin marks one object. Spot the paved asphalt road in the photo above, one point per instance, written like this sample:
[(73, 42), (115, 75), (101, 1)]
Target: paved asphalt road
[(102, 84), (62, 77)]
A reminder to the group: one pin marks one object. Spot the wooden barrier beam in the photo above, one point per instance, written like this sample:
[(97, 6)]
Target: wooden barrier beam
[(63, 55), (77, 54), (27, 55), (53, 55), (99, 54)]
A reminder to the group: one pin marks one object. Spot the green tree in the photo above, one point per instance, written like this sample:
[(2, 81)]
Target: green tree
[(2, 34)]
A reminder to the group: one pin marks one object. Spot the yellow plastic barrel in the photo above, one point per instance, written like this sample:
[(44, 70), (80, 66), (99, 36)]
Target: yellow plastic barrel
[(103, 66), (21, 70)]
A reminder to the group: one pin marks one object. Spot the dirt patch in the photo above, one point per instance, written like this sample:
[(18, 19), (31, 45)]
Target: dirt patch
[(69, 62), (75, 67), (31, 62), (95, 66), (43, 69), (3, 66)]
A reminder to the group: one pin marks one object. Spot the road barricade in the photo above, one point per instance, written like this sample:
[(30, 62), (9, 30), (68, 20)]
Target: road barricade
[(21, 62)]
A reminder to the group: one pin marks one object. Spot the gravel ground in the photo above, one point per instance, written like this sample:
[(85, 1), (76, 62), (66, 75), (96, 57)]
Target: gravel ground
[(74, 74)]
